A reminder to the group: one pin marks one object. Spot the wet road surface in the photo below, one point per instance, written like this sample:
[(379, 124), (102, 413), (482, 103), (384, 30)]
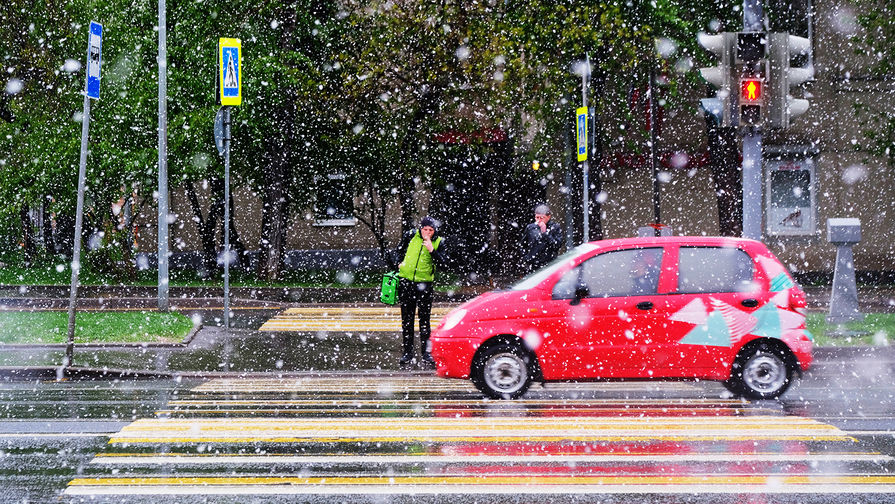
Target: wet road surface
[(409, 437)]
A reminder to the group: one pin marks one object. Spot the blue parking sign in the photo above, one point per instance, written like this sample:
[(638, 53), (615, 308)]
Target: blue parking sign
[(94, 59)]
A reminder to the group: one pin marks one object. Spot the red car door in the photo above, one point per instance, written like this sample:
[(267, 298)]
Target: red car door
[(710, 311), (605, 316)]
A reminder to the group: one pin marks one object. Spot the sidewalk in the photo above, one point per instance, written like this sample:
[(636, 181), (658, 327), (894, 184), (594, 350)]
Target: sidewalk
[(243, 350)]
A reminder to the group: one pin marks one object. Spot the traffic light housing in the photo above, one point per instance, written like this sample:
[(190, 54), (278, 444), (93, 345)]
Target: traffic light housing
[(751, 50), (782, 106), (721, 107)]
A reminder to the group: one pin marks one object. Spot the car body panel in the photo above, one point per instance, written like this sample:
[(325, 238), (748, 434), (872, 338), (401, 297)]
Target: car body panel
[(671, 330)]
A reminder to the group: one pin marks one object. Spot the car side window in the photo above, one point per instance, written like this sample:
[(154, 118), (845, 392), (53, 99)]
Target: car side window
[(633, 272), (714, 269)]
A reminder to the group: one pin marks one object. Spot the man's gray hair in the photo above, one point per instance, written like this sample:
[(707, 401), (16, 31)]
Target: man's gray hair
[(543, 209)]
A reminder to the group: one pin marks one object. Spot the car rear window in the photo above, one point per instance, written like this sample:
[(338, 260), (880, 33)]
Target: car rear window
[(714, 269)]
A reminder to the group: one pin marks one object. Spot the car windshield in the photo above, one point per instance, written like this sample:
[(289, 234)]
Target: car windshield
[(538, 276)]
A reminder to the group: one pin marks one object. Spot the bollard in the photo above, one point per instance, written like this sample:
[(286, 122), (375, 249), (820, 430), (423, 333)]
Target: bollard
[(844, 233)]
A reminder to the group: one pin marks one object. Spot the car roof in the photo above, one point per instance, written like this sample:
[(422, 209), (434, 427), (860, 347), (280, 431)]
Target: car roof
[(715, 241)]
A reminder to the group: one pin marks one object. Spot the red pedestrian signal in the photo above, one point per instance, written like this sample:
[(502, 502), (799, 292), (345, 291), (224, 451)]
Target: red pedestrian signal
[(750, 90)]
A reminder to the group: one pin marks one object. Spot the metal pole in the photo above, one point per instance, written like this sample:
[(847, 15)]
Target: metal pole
[(752, 188), (79, 222), (753, 20), (226, 217), (657, 218), (585, 184), (162, 160)]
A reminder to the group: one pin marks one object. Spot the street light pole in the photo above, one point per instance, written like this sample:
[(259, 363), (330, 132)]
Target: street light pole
[(162, 160)]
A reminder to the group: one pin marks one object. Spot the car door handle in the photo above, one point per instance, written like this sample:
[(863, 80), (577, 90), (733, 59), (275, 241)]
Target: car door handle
[(749, 303), (645, 305)]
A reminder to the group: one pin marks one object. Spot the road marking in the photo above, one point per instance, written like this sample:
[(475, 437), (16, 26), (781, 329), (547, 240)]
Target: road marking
[(429, 458), (383, 385), (476, 484), (478, 429), (344, 319), (54, 434), (378, 435)]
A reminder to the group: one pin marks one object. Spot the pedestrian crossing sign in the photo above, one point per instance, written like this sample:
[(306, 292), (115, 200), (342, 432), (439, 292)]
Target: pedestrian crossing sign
[(230, 71)]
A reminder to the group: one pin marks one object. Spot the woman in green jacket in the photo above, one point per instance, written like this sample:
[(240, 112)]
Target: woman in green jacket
[(422, 250)]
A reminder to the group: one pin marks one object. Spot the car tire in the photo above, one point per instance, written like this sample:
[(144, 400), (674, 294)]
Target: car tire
[(503, 371), (761, 372)]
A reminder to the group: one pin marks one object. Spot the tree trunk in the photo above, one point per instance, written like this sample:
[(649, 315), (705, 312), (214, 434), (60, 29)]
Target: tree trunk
[(277, 175), (49, 241), (208, 225), (28, 248)]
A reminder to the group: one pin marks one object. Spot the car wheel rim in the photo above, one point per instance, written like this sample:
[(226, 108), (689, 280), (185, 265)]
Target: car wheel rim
[(765, 373), (505, 373)]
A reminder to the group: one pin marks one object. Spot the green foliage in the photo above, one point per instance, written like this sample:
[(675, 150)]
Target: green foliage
[(875, 42), (359, 87)]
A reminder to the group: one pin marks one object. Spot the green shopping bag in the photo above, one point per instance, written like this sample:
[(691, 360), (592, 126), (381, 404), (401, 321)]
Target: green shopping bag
[(389, 294)]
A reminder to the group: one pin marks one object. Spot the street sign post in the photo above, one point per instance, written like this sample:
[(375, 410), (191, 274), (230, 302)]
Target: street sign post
[(91, 91), (230, 84)]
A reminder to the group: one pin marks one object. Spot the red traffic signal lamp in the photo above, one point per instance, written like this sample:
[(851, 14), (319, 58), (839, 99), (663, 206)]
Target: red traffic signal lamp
[(751, 90), (751, 101)]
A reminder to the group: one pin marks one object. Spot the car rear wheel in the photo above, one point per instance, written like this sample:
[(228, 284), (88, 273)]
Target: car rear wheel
[(503, 371), (762, 372)]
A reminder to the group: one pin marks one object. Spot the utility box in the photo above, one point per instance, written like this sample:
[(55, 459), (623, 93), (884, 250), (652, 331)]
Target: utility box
[(844, 233)]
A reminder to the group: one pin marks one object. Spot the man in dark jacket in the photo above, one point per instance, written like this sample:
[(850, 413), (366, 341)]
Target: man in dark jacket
[(542, 239), (421, 251)]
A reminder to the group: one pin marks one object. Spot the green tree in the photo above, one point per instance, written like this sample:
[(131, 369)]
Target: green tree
[(876, 43)]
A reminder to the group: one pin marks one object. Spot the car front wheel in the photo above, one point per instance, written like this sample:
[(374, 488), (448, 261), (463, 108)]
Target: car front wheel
[(503, 372), (762, 372)]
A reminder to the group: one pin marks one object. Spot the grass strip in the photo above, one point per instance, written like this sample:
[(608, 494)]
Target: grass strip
[(877, 329), (43, 327)]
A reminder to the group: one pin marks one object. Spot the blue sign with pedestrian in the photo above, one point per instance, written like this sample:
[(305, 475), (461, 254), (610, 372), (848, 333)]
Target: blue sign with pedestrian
[(230, 71), (94, 59)]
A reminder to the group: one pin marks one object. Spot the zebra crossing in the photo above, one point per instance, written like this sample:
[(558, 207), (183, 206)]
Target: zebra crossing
[(344, 319), (415, 435)]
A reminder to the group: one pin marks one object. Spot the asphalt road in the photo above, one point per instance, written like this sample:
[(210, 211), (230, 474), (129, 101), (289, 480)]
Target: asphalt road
[(384, 436)]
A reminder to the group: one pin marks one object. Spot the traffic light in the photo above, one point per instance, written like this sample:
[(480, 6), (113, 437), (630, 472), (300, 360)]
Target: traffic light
[(720, 108), (751, 100), (751, 67), (782, 106)]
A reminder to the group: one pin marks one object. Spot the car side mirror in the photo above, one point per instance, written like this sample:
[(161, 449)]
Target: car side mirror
[(581, 291)]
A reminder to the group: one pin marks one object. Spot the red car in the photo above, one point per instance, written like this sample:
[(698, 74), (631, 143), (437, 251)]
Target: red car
[(637, 308)]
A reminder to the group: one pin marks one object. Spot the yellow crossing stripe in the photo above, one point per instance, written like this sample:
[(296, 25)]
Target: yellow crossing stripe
[(345, 319), (341, 430), (553, 458)]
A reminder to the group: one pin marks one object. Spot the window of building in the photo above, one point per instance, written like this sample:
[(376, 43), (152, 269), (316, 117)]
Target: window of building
[(790, 197), (713, 269), (333, 201)]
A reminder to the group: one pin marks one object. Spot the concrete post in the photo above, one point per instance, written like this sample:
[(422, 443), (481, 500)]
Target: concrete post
[(844, 233)]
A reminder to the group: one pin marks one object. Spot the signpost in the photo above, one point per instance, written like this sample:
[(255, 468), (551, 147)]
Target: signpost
[(230, 85), (91, 91)]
